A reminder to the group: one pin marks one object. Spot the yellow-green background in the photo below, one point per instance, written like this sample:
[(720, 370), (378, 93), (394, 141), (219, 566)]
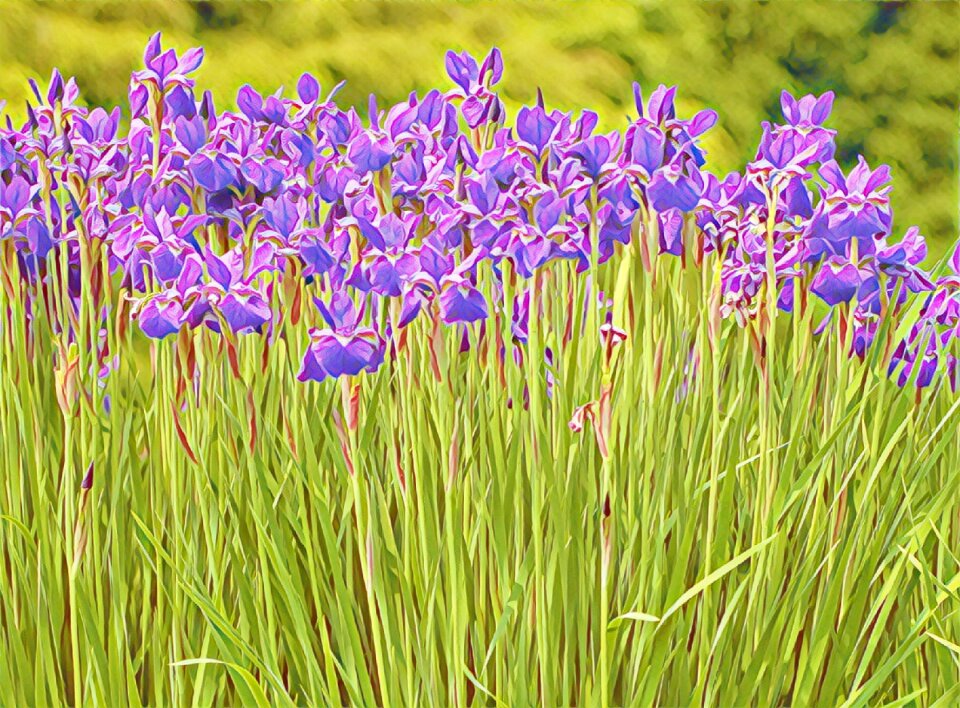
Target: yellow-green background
[(894, 66)]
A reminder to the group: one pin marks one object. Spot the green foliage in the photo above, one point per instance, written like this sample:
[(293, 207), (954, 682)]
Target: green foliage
[(778, 529), (893, 65)]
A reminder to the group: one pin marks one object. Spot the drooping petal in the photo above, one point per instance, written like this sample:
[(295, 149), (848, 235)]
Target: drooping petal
[(836, 282), (462, 303), (161, 317)]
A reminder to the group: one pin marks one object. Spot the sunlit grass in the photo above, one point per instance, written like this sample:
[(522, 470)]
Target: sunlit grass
[(459, 547)]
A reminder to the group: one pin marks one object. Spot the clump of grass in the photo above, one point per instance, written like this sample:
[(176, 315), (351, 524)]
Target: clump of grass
[(479, 552)]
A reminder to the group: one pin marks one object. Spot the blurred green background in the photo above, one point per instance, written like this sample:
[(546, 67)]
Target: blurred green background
[(894, 66)]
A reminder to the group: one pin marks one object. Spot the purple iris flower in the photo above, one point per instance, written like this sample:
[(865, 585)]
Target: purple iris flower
[(245, 309), (491, 70), (409, 173), (434, 263), (796, 199), (501, 163), (645, 145), (344, 349), (897, 259), (676, 186), (256, 108), (431, 109), (214, 174), (8, 155), (903, 259), (180, 103), (671, 232), (480, 105), (520, 323), (530, 250), (164, 241), (463, 70), (837, 281), (858, 205), (614, 228), (284, 214), (807, 112), (37, 239), (805, 119), (935, 332), (535, 127), (332, 183), (820, 240), (265, 174), (164, 313), (780, 158), (16, 205), (701, 123), (370, 153), (594, 153), (164, 70), (321, 251), (388, 262), (484, 193), (659, 109), (460, 301), (308, 88), (161, 316), (912, 362), (230, 295), (865, 323), (204, 216), (191, 132)]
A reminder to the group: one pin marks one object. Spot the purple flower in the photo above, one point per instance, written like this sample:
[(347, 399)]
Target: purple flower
[(659, 108), (858, 205), (675, 187), (645, 144), (535, 127), (479, 105), (460, 301), (593, 154), (671, 232), (898, 258), (346, 348), (191, 133), (388, 263), (318, 254), (308, 88), (335, 355), (463, 70), (530, 250), (809, 111), (903, 259), (245, 309), (213, 173), (283, 214), (919, 367), (165, 68), (805, 118), (161, 316), (520, 323), (225, 220), (781, 157), (837, 281), (370, 153)]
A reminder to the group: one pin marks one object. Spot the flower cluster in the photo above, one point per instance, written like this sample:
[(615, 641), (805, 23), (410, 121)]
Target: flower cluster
[(932, 341), (424, 209)]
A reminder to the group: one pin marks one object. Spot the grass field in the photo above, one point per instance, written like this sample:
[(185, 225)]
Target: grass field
[(724, 552), (641, 502)]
